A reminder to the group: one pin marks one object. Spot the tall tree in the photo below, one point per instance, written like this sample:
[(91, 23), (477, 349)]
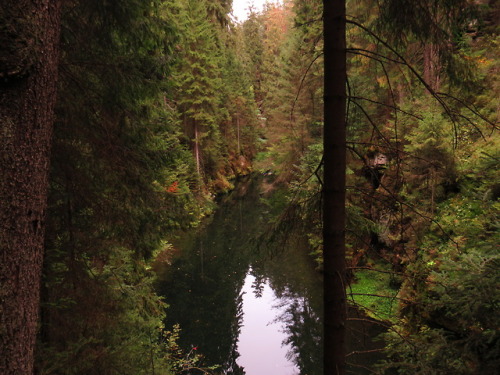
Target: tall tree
[(198, 83), (29, 35), (118, 182), (334, 158)]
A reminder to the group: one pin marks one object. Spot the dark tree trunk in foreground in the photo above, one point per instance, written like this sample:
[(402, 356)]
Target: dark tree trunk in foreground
[(29, 36), (334, 186)]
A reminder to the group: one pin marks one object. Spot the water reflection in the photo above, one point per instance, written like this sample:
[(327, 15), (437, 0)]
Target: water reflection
[(204, 289), (263, 343)]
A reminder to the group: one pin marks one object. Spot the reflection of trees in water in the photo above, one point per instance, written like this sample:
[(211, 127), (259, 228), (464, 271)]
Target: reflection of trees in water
[(363, 350), (298, 288), (258, 284), (208, 305), (299, 298), (230, 365), (203, 285), (304, 331)]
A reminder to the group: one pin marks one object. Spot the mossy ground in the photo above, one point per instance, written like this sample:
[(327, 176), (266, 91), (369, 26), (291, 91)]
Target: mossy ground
[(372, 292)]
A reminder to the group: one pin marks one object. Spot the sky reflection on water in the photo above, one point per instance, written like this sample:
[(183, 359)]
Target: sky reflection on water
[(261, 340), (214, 280)]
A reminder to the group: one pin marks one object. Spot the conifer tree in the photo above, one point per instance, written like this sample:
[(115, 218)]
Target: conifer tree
[(119, 181), (29, 39), (198, 84), (334, 159), (378, 118), (253, 34)]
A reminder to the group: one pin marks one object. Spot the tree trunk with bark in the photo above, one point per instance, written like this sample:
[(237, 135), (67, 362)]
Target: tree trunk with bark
[(196, 146), (432, 66), (29, 38), (334, 186)]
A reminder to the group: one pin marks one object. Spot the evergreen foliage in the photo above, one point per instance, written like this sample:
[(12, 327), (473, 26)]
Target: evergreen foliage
[(162, 103), (450, 325), (415, 88), (115, 153), (212, 106), (136, 79)]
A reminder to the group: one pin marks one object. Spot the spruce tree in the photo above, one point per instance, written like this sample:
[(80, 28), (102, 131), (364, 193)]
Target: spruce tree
[(198, 84), (334, 159), (29, 39), (119, 182)]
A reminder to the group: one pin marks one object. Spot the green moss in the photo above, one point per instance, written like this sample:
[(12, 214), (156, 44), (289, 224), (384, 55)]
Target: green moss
[(371, 291)]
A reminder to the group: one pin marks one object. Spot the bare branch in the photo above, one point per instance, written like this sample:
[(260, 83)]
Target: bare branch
[(302, 83), (375, 127), (365, 351), (472, 110), (381, 296), (376, 270), (396, 108), (373, 55), (401, 60)]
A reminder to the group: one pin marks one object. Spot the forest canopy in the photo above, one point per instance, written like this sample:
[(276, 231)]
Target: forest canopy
[(162, 105)]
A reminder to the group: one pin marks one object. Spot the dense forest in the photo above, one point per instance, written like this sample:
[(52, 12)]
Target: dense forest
[(162, 105)]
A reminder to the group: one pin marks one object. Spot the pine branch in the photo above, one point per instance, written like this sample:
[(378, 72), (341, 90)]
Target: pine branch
[(412, 208)]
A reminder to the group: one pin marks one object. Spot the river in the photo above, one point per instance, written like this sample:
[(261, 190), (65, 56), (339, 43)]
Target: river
[(250, 305)]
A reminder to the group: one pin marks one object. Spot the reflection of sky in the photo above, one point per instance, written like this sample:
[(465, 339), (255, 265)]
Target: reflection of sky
[(260, 341)]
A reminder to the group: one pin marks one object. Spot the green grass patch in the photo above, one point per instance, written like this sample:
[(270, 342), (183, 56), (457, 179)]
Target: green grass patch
[(371, 291)]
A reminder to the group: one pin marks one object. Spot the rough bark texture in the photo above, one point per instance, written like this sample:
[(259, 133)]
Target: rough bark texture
[(334, 186), (432, 66), (29, 36)]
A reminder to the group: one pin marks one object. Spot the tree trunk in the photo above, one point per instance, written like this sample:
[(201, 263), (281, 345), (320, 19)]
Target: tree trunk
[(197, 148), (238, 128), (29, 36), (432, 66), (334, 185)]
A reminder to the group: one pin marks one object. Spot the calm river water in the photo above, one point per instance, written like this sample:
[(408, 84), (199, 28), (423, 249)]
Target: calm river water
[(251, 306)]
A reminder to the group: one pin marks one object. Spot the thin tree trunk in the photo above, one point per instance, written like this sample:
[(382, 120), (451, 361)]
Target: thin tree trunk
[(197, 149), (238, 127), (433, 190), (29, 38), (334, 186), (432, 66)]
